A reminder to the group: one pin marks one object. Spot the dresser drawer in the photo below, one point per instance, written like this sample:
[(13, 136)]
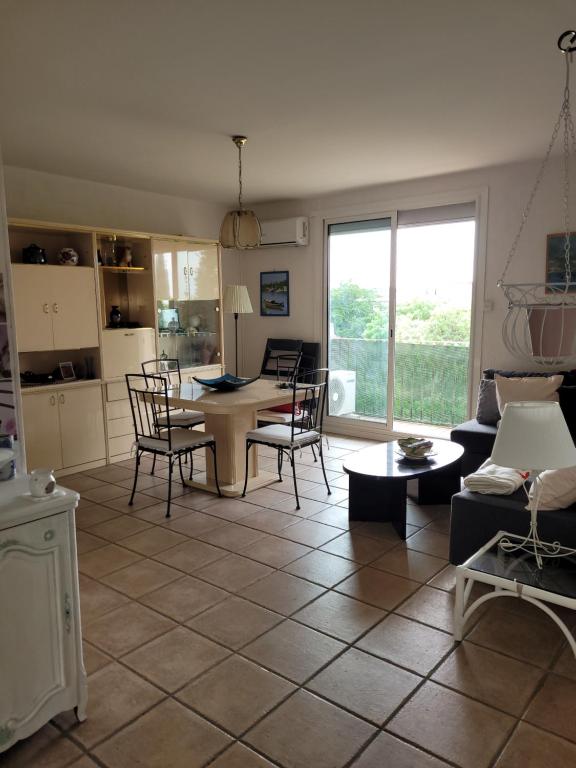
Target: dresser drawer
[(119, 427), (116, 390), (118, 409), (122, 444), (39, 534)]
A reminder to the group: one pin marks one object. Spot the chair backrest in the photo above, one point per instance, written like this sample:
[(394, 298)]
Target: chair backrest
[(168, 367), (281, 358), (310, 393), (149, 403)]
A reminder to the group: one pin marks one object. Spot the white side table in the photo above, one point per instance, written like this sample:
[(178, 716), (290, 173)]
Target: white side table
[(41, 667), (515, 574)]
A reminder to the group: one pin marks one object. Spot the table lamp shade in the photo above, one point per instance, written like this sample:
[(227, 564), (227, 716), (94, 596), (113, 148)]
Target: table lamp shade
[(237, 300), (533, 436)]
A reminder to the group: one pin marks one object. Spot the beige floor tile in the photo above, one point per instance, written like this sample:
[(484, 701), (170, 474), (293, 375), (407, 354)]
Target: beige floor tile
[(169, 735), (532, 748), (97, 599), (275, 552), (235, 622), (270, 520), (308, 507), (533, 641), (360, 549), (183, 599), (173, 659), (424, 515), (322, 568), (239, 756), (116, 697), (256, 692), (153, 540), (496, 680), (431, 606), (282, 592), (386, 750), (365, 685), (233, 572), (110, 473), (119, 527), (197, 500), (80, 483), (103, 492), (384, 590), (231, 536), (340, 616), (194, 524), (191, 555), (286, 734), (47, 748), (381, 531), (157, 513), (310, 533), (121, 503), (410, 564), (87, 542), (407, 643), (161, 491), (86, 517), (230, 509), (566, 664), (430, 542), (336, 516), (126, 628), (100, 562), (553, 707), (94, 659), (452, 726), (139, 578), (446, 579), (84, 762), (318, 492), (144, 481), (294, 651)]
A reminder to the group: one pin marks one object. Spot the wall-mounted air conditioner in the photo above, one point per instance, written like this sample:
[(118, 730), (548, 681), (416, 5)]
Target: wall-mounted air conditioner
[(285, 232), (341, 393)]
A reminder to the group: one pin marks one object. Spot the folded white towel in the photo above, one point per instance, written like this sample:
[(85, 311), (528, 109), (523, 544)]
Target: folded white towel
[(490, 478)]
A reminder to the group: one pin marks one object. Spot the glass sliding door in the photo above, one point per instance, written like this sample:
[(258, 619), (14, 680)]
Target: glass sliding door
[(359, 261)]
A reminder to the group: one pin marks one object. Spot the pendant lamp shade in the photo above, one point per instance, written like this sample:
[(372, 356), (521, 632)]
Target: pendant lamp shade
[(240, 228)]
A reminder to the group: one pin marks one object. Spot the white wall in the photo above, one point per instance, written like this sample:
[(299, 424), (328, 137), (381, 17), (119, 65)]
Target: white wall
[(48, 197), (508, 190)]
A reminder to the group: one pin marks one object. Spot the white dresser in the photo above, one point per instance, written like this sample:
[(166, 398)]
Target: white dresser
[(41, 667)]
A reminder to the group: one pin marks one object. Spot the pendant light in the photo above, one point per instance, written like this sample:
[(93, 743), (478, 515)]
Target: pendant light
[(540, 325), (240, 228)]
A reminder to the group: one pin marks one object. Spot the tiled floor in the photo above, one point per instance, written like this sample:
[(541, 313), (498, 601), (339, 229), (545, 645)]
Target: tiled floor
[(242, 634)]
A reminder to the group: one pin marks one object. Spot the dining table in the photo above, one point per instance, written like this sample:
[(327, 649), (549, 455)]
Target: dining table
[(228, 417)]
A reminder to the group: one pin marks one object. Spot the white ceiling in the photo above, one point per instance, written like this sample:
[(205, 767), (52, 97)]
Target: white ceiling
[(332, 94)]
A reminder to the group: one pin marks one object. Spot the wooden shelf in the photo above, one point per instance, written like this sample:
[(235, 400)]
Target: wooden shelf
[(121, 269)]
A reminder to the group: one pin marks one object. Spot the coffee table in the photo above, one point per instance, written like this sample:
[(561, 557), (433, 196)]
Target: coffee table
[(378, 481)]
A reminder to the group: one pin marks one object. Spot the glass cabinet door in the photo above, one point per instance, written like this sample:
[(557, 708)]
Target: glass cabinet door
[(188, 302)]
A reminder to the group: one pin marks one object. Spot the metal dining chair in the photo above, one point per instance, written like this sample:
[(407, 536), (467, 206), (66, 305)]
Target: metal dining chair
[(309, 391), (148, 396)]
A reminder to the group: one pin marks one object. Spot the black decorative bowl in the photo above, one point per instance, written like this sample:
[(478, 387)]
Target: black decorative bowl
[(226, 383)]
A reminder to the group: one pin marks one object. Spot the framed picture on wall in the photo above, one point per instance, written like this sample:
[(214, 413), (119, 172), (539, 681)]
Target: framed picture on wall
[(274, 294), (555, 268)]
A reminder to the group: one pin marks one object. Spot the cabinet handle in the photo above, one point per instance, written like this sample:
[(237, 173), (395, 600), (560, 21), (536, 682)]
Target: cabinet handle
[(67, 612), (217, 309), (52, 400), (128, 334), (49, 535), (46, 308), (185, 271), (55, 308), (61, 399)]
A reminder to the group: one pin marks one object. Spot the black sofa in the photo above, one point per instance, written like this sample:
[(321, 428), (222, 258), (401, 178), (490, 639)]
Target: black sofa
[(476, 517)]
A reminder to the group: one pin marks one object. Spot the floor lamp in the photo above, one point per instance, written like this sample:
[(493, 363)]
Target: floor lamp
[(237, 300)]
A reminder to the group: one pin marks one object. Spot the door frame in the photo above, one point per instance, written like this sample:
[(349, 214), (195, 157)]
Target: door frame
[(480, 197)]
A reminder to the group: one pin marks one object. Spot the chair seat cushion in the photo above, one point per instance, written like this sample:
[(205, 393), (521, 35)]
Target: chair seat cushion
[(181, 439), (275, 417), (183, 419), (279, 434)]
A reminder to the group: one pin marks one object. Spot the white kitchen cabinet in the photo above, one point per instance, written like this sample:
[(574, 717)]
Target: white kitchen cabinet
[(64, 426), (54, 307), (124, 350), (41, 667)]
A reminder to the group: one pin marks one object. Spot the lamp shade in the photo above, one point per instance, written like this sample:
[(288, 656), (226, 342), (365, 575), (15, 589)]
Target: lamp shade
[(237, 300), (533, 436), (240, 229)]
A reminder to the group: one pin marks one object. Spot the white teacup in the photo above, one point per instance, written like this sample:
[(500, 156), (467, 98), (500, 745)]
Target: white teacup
[(42, 482)]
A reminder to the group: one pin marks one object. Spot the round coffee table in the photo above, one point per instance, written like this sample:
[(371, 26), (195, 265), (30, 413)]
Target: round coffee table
[(379, 478)]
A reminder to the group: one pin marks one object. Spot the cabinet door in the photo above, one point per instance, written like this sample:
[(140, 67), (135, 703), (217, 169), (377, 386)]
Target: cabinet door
[(81, 425), (74, 315), (36, 641), (203, 273), (163, 271), (42, 430), (32, 307), (181, 283)]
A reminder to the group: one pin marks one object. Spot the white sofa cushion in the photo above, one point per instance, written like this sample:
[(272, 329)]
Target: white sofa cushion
[(557, 489)]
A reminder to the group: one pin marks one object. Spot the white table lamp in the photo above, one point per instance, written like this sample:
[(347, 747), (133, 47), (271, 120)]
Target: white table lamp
[(237, 300), (534, 436)]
